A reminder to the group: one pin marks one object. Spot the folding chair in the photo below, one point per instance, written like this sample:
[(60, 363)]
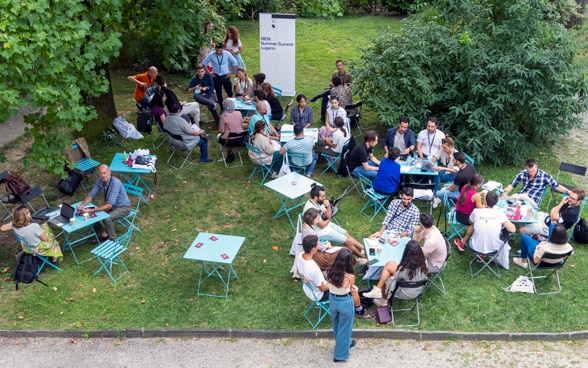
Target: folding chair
[(423, 192), (322, 308), (5, 202), (177, 147), (570, 169), (375, 200), (355, 182), (435, 279), (487, 259), (263, 169), (279, 123), (278, 92), (44, 260), (162, 136), (468, 158), (29, 196), (236, 141), (456, 228), (128, 221), (551, 267), (108, 254), (354, 118), (297, 168), (571, 229), (403, 285), (84, 163), (332, 161)]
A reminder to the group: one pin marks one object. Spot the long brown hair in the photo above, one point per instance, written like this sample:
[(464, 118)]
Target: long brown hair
[(477, 179), (21, 217), (234, 31)]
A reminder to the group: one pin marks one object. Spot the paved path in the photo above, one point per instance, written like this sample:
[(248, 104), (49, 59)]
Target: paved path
[(232, 353), (13, 127)]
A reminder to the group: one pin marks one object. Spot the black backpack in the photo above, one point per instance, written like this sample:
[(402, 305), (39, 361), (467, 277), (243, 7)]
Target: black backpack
[(581, 232), (70, 184), (26, 268), (15, 187), (144, 121)]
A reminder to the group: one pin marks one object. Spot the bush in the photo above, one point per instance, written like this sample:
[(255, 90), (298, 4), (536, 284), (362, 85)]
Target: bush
[(499, 76)]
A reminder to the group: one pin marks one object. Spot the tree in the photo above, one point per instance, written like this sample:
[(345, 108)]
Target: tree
[(500, 75), (52, 59)]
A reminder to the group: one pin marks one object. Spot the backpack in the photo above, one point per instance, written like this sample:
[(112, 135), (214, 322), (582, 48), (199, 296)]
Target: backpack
[(25, 270), (342, 169), (70, 184), (15, 187), (581, 232), (144, 121)]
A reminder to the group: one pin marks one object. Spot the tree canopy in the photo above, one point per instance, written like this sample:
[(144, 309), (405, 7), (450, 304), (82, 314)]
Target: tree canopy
[(500, 75)]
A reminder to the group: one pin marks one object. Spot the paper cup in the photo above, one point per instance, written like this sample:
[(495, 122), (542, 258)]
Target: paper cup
[(86, 215), (72, 221)]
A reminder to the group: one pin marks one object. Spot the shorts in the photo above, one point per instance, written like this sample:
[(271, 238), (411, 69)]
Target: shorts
[(332, 233)]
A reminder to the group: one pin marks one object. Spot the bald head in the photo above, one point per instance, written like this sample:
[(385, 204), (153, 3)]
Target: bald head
[(261, 108), (152, 72), (104, 172)]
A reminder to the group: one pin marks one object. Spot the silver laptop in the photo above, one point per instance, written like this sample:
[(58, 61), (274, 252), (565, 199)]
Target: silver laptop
[(65, 214)]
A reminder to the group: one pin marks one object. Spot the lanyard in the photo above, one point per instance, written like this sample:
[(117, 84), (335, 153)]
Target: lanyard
[(431, 141), (220, 62)]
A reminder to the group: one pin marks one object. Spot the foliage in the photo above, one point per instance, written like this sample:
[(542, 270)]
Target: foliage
[(501, 76), (51, 53), (404, 6), (318, 8)]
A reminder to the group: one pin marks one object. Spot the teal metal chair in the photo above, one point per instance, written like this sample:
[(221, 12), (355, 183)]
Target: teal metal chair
[(570, 169), (323, 308), (453, 227), (435, 279), (571, 229), (128, 222), (44, 260), (84, 165), (332, 161), (109, 254), (299, 157), (263, 169), (375, 201), (468, 158)]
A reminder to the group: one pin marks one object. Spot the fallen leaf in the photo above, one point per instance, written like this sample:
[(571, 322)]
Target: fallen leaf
[(143, 301), (93, 290), (5, 270), (72, 341), (79, 324), (81, 285), (540, 353), (137, 249), (71, 299), (54, 288), (21, 317), (191, 299), (7, 279), (264, 261), (275, 248), (16, 342), (427, 348)]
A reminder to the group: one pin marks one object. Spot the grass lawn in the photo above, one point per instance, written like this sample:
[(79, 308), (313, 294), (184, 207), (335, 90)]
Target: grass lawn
[(161, 290)]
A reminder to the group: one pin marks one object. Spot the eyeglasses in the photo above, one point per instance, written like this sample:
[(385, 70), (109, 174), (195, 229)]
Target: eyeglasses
[(575, 199)]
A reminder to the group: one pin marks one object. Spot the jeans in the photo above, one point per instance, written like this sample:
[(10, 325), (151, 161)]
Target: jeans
[(203, 144), (207, 98), (367, 173), (220, 82), (451, 195), (310, 168), (528, 244), (145, 101), (443, 177), (115, 214), (342, 315)]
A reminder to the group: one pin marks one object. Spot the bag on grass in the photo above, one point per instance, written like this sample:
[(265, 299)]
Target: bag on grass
[(581, 232), (25, 270), (144, 121), (15, 187), (522, 284), (70, 184), (125, 129), (383, 315)]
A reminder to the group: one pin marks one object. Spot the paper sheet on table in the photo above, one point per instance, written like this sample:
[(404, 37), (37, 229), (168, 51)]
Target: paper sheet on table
[(333, 249), (404, 169)]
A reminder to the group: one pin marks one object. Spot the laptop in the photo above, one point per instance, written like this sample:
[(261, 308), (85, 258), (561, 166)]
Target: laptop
[(426, 165), (65, 214)]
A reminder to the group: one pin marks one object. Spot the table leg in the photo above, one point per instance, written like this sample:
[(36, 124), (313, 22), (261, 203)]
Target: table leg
[(285, 210), (214, 270)]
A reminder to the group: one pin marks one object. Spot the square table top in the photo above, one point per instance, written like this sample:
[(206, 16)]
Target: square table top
[(117, 166), (81, 223), (389, 252), (205, 248), (510, 211), (287, 133), (292, 185), (406, 169), (244, 105)]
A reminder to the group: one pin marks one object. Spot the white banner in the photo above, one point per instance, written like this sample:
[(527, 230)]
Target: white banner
[(277, 50)]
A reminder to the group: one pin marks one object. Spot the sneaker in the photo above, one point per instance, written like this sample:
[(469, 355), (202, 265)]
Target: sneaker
[(375, 293), (362, 261), (459, 244), (362, 271), (380, 302), (519, 262), (480, 258), (205, 162), (436, 202), (364, 314)]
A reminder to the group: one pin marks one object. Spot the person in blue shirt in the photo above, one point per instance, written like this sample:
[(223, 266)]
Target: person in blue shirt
[(202, 87), (116, 202), (387, 180), (402, 137), (223, 65)]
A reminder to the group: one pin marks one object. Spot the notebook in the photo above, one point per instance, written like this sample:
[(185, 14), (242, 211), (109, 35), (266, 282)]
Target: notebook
[(65, 214)]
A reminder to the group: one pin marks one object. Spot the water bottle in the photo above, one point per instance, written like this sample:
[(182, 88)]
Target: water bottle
[(130, 161)]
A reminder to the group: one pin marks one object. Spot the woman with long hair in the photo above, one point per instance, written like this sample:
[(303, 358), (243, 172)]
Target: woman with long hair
[(158, 107), (334, 145), (233, 45), (242, 84), (469, 199), (270, 97), (443, 163), (334, 111), (269, 155), (301, 114), (556, 244), (207, 42), (39, 237), (341, 280)]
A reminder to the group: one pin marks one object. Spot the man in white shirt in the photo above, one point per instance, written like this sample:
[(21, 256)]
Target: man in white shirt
[(310, 272), (429, 140), (434, 246)]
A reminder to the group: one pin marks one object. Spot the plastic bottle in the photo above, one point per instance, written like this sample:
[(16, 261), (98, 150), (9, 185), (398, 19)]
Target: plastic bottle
[(130, 161), (518, 212)]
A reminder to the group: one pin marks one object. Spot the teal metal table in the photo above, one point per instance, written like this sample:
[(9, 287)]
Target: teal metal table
[(133, 182)]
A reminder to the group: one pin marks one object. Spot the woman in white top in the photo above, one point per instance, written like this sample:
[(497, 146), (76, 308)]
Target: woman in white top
[(242, 84), (333, 112), (233, 45), (334, 145), (269, 155)]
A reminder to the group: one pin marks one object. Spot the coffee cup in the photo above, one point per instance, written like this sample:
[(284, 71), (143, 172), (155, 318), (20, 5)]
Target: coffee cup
[(72, 221), (86, 215)]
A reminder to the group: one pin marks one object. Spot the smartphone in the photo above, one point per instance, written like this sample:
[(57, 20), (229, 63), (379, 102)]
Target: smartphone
[(373, 261), (372, 252)]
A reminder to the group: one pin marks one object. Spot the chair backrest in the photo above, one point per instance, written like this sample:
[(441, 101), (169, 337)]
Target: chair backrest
[(547, 265), (22, 241), (31, 194), (3, 174), (405, 284), (125, 239), (572, 169), (571, 229), (277, 91), (236, 139), (254, 149), (468, 158), (309, 286)]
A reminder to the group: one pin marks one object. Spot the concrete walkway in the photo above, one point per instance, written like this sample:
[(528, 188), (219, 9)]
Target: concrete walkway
[(13, 127)]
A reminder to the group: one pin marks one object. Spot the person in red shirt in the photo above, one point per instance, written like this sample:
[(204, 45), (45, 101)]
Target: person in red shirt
[(144, 88)]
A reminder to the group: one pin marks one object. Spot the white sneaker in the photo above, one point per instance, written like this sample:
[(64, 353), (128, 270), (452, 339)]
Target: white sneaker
[(381, 302), (519, 262), (436, 202), (362, 261), (376, 293)]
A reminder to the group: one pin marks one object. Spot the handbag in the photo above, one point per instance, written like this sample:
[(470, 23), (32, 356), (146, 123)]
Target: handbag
[(522, 284), (285, 169), (383, 315), (581, 232)]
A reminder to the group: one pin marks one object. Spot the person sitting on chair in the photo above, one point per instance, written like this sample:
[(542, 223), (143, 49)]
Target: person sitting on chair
[(276, 107), (231, 121), (202, 88), (557, 244), (487, 224), (401, 217), (310, 271), (534, 183), (434, 247), (401, 137), (333, 146), (327, 230), (412, 267), (325, 256), (301, 114), (463, 177), (344, 77), (429, 140), (144, 86), (301, 146), (565, 213), (39, 237), (361, 160), (334, 111), (185, 136), (249, 123), (387, 180), (444, 164), (269, 155), (116, 202), (258, 80), (190, 109)]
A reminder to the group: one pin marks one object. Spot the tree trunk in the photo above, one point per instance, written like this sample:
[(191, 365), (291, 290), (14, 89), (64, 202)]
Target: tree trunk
[(105, 108)]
